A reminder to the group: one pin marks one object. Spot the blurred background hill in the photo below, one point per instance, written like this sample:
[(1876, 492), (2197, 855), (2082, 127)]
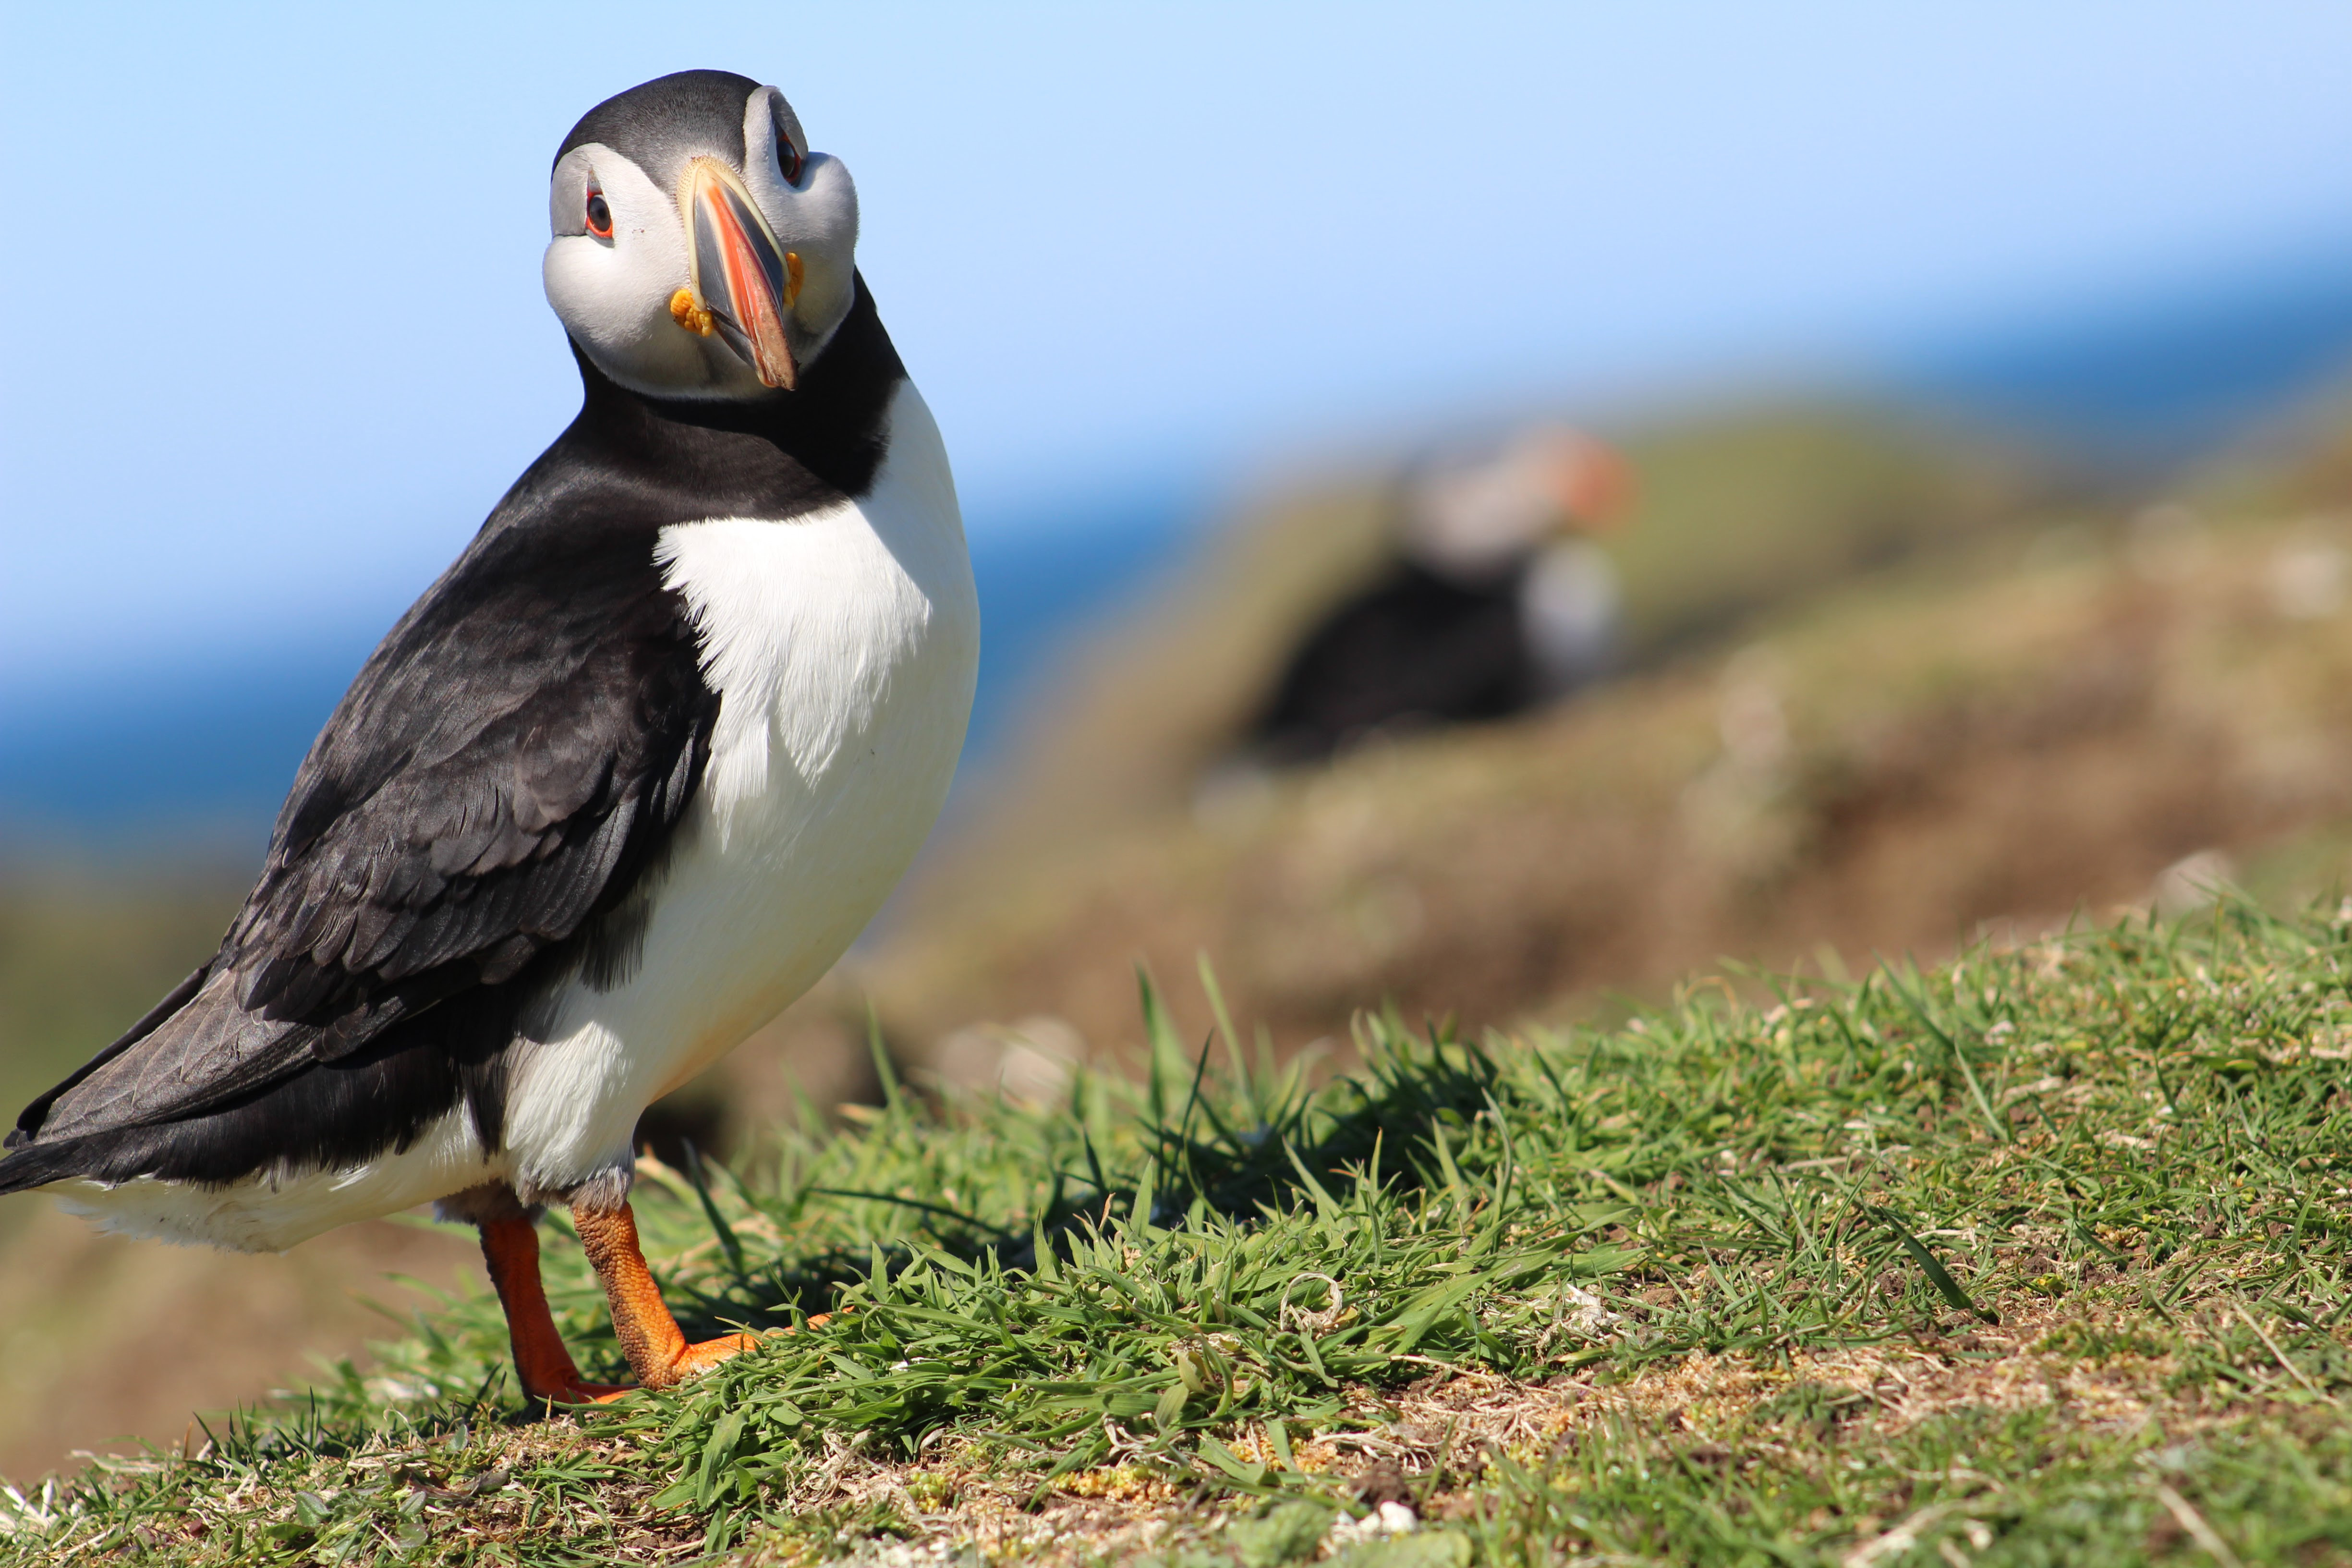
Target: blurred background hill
[(1987, 384)]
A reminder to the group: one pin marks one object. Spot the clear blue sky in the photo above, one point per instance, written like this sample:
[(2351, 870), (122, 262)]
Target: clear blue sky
[(276, 340)]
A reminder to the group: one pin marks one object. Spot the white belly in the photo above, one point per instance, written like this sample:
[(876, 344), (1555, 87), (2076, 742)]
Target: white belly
[(842, 646)]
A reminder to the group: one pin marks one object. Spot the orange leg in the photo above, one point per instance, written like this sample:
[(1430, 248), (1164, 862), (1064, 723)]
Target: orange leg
[(511, 1248), (649, 1336)]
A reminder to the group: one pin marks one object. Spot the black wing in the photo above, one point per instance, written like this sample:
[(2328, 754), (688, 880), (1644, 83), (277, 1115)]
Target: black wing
[(505, 768)]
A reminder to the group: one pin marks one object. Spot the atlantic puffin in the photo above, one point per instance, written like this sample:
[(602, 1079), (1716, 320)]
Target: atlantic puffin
[(626, 780), (1496, 597)]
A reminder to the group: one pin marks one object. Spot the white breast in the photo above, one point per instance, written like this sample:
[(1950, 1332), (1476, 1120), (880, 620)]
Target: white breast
[(842, 646)]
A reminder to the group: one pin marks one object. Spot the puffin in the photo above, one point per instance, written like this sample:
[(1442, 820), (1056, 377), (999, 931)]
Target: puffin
[(623, 783), (1496, 597)]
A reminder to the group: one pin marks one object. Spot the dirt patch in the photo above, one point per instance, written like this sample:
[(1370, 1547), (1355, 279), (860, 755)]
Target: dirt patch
[(1428, 1446), (453, 1489)]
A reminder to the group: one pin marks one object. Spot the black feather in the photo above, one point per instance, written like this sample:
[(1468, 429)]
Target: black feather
[(1413, 648)]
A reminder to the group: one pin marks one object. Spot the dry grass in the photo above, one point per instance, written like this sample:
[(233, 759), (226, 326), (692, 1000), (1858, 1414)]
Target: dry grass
[(1432, 1442)]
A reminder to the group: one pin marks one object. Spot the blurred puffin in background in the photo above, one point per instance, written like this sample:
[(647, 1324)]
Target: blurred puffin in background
[(621, 785), (1498, 598)]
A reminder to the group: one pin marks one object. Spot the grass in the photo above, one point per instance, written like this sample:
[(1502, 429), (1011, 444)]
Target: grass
[(2039, 1257)]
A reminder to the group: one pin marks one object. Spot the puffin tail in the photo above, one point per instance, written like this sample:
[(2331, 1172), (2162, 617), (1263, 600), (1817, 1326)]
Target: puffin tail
[(34, 1165), (30, 1162)]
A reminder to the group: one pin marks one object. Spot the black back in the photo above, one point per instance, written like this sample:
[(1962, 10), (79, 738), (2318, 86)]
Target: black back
[(1412, 649)]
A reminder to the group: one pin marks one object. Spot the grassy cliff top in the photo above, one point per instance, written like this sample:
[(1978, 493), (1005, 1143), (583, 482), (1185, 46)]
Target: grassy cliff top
[(2038, 1257)]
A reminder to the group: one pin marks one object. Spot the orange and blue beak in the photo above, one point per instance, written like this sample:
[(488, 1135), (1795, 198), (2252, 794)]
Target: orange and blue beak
[(741, 283)]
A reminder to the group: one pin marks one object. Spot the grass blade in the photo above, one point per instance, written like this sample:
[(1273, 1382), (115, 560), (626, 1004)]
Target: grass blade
[(1937, 1275)]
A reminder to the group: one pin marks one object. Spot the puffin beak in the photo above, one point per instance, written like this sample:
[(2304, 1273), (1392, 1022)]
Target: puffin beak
[(1591, 484), (741, 282)]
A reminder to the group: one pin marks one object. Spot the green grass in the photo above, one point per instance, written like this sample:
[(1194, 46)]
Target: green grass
[(2036, 1257)]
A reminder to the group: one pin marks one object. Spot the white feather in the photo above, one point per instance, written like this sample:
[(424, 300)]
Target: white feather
[(275, 1210)]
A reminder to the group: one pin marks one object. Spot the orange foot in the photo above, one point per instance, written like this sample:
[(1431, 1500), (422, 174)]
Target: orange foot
[(511, 1249), (658, 1352), (691, 1359)]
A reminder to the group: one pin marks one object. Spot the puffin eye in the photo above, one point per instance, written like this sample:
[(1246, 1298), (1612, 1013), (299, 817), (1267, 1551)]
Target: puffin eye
[(789, 158), (600, 215)]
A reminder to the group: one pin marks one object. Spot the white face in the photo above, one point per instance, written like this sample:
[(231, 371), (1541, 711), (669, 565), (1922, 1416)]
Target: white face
[(623, 252)]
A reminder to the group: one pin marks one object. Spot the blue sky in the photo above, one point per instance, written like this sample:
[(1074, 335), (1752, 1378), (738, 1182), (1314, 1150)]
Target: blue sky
[(278, 341)]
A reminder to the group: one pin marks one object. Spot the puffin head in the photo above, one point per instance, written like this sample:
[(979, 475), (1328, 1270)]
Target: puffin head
[(1480, 509), (700, 249)]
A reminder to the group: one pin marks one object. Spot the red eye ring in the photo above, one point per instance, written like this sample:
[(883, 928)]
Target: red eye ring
[(790, 159), (600, 215)]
